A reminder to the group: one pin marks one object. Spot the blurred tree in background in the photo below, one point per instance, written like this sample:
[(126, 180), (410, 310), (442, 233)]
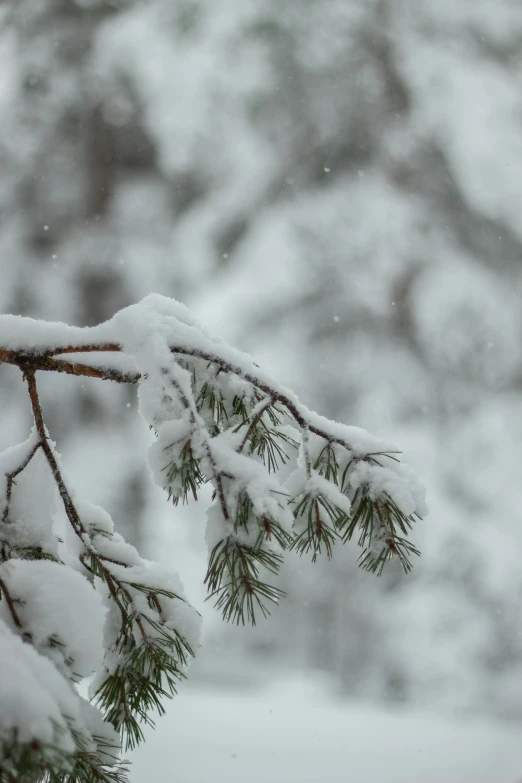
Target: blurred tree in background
[(344, 178)]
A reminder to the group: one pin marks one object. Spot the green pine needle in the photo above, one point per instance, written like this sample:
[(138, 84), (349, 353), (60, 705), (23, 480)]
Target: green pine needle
[(378, 518), (326, 464), (36, 761), (183, 477), (233, 576), (318, 535), (210, 398)]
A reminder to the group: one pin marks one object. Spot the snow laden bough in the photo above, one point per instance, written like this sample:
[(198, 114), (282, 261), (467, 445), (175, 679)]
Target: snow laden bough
[(87, 605)]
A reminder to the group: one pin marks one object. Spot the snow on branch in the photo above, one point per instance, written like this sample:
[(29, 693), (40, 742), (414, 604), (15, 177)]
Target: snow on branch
[(283, 478)]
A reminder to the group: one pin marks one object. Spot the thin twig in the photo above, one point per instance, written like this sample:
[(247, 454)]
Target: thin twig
[(10, 604), (86, 348), (68, 504), (306, 449), (70, 508), (11, 479), (217, 474), (87, 371), (299, 413), (46, 361), (254, 423)]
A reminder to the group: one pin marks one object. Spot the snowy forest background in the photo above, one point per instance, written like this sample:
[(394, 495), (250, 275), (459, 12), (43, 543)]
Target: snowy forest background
[(336, 188)]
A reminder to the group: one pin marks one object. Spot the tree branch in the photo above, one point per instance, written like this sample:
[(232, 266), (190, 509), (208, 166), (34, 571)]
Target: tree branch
[(298, 412), (46, 361), (68, 504)]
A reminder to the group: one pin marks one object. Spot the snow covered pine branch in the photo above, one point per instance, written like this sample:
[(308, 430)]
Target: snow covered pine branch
[(86, 603)]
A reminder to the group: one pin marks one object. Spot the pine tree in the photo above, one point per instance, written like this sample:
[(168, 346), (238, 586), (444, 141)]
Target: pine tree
[(81, 601)]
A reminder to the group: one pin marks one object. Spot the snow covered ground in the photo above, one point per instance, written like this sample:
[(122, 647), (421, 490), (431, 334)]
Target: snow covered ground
[(295, 732)]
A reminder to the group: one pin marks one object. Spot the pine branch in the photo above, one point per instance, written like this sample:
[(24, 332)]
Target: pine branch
[(139, 678), (218, 419), (301, 415), (33, 761), (262, 439), (148, 672)]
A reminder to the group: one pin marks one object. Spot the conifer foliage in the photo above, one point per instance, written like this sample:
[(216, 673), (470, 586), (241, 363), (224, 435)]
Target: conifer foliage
[(85, 603)]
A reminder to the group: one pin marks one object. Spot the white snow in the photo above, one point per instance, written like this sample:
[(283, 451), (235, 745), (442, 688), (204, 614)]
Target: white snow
[(296, 731), (33, 695), (57, 603), (34, 336), (378, 479), (468, 321), (33, 503)]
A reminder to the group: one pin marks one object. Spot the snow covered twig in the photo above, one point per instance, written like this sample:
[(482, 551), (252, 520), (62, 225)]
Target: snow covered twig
[(283, 477)]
